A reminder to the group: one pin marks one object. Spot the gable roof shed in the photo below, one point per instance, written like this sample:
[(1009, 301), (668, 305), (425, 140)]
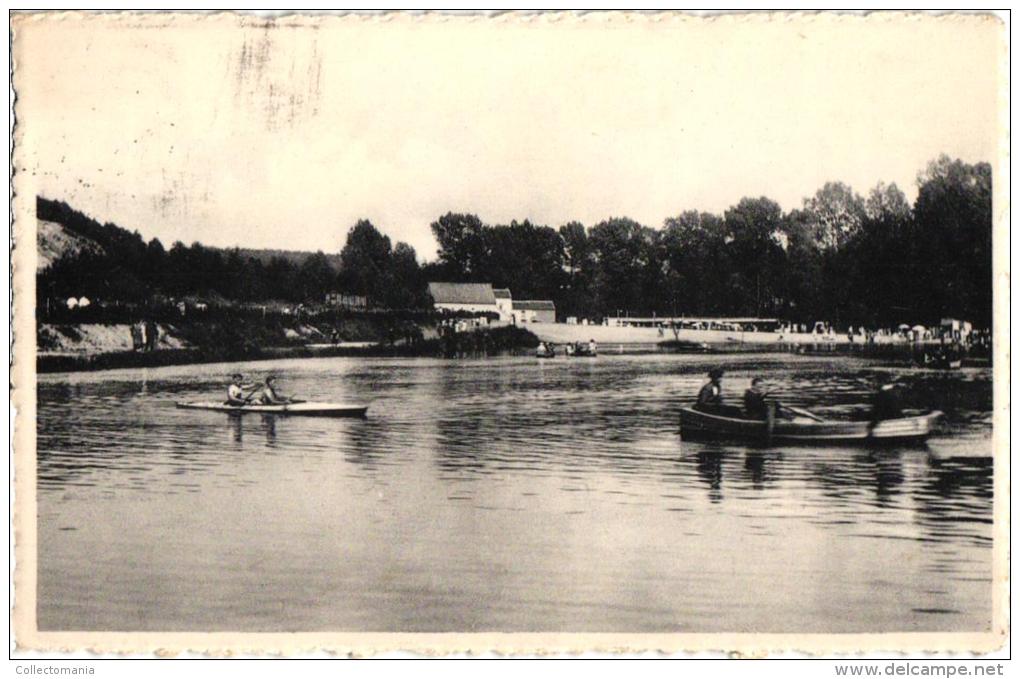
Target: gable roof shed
[(534, 305), (462, 293)]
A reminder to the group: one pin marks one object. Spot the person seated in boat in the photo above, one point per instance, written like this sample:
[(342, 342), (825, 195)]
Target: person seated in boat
[(710, 396), (270, 397), (542, 349), (885, 405), (592, 347), (235, 392), (755, 406), (757, 403)]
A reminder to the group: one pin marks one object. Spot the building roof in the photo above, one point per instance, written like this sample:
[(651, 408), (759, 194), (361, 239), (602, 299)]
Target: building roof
[(462, 293), (534, 305), (501, 293)]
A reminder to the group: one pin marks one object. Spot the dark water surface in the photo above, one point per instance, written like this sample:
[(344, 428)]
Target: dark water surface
[(505, 495)]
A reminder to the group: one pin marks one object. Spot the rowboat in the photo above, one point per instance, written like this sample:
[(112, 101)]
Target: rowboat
[(296, 408), (694, 423), (943, 363), (580, 351)]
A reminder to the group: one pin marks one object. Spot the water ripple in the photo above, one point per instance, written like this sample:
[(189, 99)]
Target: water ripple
[(506, 495)]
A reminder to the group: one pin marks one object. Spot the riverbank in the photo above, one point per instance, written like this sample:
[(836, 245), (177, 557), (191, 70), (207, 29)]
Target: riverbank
[(483, 342), (640, 340), (565, 333), (237, 335)]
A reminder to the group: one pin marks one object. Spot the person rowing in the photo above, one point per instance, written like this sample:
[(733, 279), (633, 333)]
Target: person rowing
[(270, 396), (235, 392), (885, 404), (757, 403), (755, 406)]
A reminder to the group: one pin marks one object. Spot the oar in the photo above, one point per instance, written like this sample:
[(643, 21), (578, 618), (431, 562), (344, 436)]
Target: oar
[(805, 413)]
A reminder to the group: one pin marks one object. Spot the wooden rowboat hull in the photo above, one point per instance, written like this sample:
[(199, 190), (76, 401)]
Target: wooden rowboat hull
[(303, 408), (694, 423)]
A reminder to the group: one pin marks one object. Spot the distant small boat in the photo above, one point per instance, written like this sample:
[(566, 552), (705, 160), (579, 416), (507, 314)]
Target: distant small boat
[(580, 351), (944, 363), (946, 358), (548, 353), (685, 346), (296, 408), (694, 423)]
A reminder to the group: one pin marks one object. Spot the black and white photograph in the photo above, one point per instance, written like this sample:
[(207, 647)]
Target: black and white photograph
[(530, 331)]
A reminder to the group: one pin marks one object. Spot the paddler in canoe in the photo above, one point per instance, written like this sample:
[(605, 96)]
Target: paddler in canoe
[(235, 392), (271, 397)]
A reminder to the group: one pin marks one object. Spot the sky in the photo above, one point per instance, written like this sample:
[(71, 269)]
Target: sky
[(234, 132)]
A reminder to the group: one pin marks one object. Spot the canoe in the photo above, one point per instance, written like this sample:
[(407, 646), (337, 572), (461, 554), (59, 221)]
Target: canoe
[(545, 354), (300, 408), (694, 423)]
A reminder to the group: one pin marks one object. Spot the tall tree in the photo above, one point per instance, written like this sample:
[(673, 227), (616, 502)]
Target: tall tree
[(836, 213), (405, 287), (579, 262), (462, 248), (364, 260), (316, 277), (953, 233), (526, 258), (624, 265), (886, 201), (695, 263), (805, 283), (754, 234)]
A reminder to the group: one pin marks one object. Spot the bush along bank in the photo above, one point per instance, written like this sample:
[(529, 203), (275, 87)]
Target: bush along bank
[(69, 347)]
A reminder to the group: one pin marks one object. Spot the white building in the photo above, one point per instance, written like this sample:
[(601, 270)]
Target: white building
[(505, 303), (533, 311)]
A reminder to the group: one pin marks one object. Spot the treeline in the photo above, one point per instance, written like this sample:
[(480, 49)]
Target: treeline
[(840, 257), (130, 269)]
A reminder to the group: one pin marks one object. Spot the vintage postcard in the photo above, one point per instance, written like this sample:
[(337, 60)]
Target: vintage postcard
[(521, 333)]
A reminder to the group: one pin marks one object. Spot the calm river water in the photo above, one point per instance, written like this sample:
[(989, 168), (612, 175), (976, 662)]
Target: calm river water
[(505, 494)]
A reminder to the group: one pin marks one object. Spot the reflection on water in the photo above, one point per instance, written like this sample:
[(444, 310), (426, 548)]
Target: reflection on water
[(505, 495)]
